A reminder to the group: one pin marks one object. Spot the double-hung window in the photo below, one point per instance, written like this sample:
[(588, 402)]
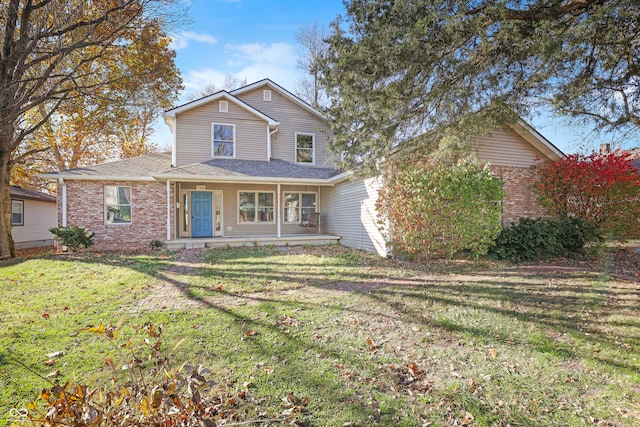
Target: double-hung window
[(224, 138), (256, 207), (17, 212), (117, 204), (305, 148), (298, 207)]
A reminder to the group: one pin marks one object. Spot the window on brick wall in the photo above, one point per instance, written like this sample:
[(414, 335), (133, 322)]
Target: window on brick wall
[(117, 204)]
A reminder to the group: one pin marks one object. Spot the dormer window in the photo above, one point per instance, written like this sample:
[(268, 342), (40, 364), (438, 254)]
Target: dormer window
[(305, 152), (224, 138), (266, 95), (223, 106)]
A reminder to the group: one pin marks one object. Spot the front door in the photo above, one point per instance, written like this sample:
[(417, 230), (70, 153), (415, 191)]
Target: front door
[(201, 214)]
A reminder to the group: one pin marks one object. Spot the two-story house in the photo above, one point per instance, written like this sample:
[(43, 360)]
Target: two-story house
[(251, 166)]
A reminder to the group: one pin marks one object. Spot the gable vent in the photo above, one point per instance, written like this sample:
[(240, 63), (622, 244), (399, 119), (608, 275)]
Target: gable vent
[(224, 106), (266, 95)]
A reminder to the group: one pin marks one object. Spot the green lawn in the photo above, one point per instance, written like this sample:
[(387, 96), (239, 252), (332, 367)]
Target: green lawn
[(367, 341)]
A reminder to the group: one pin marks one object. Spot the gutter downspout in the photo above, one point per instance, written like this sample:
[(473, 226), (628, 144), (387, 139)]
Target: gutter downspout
[(64, 200), (169, 204), (269, 141)]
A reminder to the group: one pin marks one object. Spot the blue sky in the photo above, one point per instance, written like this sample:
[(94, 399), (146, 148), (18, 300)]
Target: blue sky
[(255, 39)]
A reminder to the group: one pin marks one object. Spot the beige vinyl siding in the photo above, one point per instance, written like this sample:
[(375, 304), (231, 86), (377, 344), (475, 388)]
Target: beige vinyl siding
[(39, 217), (194, 133), (292, 118), (349, 212), (504, 147)]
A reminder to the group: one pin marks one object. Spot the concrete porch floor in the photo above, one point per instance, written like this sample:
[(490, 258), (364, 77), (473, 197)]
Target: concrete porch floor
[(217, 242)]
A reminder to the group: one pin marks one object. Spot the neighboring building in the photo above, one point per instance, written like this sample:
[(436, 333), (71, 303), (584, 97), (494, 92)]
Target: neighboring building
[(251, 166), (32, 215)]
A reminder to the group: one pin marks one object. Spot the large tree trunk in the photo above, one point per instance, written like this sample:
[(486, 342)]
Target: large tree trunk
[(7, 247)]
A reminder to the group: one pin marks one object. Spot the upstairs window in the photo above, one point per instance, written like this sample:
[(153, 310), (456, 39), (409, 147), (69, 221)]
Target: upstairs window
[(224, 137), (305, 148), (117, 204), (223, 107), (17, 212), (266, 95)]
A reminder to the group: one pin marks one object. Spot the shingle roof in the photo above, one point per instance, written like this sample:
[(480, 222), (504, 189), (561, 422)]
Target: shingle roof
[(23, 193), (251, 168), (142, 166), (159, 166)]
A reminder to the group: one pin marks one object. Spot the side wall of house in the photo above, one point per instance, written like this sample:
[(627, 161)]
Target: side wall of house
[(38, 218), (86, 208), (292, 118), (514, 160), (349, 211)]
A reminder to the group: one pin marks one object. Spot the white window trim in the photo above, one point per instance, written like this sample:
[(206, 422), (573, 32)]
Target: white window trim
[(256, 222), (266, 95), (299, 193), (313, 148), (14, 224), (213, 156), (223, 106), (104, 201)]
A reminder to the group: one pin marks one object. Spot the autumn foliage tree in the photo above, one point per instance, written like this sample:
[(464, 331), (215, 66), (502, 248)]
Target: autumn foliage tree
[(601, 188), (76, 79), (429, 207)]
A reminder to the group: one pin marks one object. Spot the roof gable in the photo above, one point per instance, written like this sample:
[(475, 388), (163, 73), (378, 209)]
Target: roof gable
[(26, 194), (171, 113), (274, 86)]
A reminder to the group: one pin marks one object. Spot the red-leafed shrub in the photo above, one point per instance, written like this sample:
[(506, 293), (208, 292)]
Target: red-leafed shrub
[(600, 188)]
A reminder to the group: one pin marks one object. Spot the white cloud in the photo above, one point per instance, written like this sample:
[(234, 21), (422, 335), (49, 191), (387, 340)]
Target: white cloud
[(195, 79), (181, 40), (276, 53)]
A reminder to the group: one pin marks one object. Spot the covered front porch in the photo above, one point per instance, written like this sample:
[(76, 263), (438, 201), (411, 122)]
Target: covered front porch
[(239, 241)]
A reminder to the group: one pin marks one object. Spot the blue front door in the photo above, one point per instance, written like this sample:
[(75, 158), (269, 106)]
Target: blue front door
[(201, 219)]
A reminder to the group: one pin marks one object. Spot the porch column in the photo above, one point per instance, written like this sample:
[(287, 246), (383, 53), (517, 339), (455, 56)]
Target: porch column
[(169, 206), (278, 212)]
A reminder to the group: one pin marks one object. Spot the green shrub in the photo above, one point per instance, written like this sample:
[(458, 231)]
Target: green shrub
[(540, 239), (73, 237), (155, 244), (429, 207)]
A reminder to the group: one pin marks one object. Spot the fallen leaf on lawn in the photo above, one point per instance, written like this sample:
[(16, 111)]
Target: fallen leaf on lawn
[(55, 354), (218, 288), (53, 374), (268, 370), (50, 362), (250, 333), (493, 352), (45, 315)]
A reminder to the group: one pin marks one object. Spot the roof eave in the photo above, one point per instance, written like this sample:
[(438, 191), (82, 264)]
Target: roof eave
[(72, 177), (245, 179), (536, 139)]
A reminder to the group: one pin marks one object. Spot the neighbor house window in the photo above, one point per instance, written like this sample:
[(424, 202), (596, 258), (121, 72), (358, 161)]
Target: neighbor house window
[(17, 212), (223, 140), (117, 204), (298, 207), (304, 148), (256, 207)]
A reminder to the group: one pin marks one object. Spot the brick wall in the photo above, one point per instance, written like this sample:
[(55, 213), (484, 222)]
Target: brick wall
[(85, 208), (520, 200)]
